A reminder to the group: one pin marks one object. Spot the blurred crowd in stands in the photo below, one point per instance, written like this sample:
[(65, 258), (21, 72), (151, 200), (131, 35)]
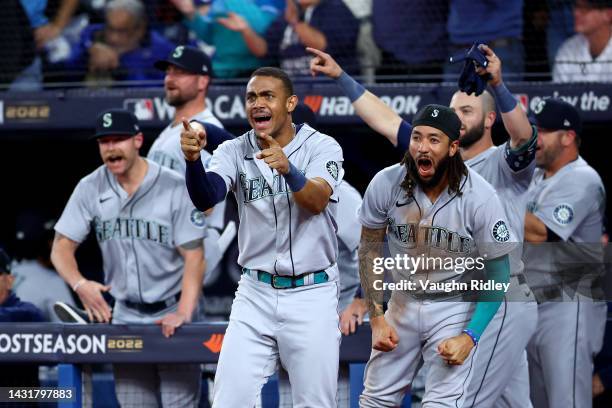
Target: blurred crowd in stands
[(112, 42)]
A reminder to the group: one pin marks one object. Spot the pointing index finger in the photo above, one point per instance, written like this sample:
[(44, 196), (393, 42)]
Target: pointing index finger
[(269, 139), (186, 124), (314, 51)]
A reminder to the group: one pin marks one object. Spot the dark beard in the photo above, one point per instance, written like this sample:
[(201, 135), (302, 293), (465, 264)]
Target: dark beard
[(472, 136), (439, 172), (176, 102)]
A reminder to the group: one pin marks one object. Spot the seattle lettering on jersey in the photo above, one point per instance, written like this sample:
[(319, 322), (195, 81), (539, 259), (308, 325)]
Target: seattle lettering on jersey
[(127, 228), (257, 188), (432, 236)]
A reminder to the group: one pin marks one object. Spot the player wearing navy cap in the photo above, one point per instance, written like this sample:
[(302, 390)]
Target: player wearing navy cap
[(188, 74), (563, 254), (150, 236), (430, 206)]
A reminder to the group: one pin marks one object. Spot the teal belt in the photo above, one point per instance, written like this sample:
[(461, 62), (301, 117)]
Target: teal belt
[(287, 282)]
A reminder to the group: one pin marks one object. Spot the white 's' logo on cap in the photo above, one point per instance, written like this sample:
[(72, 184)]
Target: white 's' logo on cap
[(566, 123), (434, 114), (539, 107), (107, 120), (204, 68), (178, 51)]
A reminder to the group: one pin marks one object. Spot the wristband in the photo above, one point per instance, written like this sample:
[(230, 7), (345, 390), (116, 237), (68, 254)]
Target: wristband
[(472, 335), (295, 179), (504, 98), (78, 284), (351, 88)]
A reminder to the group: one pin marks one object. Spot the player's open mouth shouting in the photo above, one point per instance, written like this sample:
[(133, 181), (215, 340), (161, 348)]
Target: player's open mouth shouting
[(425, 167), (261, 120)]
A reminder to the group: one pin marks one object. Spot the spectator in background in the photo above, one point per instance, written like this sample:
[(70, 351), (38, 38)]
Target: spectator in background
[(13, 310), (370, 56), (44, 31), (34, 235), (15, 31), (587, 56), (216, 24), (323, 24), (406, 51), (122, 49), (560, 25), (497, 23)]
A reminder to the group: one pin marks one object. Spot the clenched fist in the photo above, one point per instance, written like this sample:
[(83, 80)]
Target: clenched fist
[(384, 336), (193, 140), (456, 349)]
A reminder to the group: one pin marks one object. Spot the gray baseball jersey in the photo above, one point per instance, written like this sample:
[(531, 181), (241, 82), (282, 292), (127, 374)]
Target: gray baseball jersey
[(571, 204), (349, 231), (469, 225), (455, 226), (275, 234), (509, 172), (139, 234)]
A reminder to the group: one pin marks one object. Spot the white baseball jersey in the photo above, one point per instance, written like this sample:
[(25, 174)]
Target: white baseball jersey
[(571, 204), (139, 234), (275, 234), (469, 225), (574, 62)]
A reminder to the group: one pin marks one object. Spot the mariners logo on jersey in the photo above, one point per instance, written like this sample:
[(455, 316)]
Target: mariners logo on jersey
[(332, 168), (197, 218), (500, 231), (563, 214)]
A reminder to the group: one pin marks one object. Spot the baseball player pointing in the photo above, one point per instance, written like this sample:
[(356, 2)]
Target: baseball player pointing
[(285, 179)]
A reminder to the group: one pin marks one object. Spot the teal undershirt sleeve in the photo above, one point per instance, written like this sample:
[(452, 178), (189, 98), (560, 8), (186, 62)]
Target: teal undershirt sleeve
[(498, 269)]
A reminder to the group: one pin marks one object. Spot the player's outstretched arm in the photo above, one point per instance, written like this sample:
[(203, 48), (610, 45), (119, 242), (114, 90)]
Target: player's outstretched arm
[(205, 189), (191, 286), (384, 336), (368, 106), (214, 135), (514, 117), (90, 292)]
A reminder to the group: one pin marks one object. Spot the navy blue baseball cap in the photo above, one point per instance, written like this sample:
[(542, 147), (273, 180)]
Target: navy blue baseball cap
[(556, 114), (189, 58), (116, 122), (440, 117)]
